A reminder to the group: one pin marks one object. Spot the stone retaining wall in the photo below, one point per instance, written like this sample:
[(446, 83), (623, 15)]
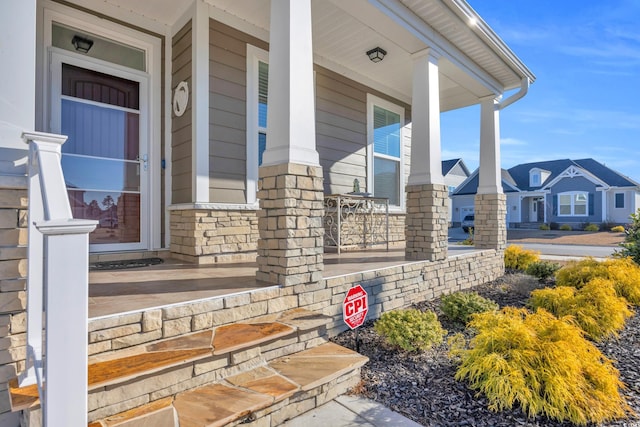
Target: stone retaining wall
[(388, 288)]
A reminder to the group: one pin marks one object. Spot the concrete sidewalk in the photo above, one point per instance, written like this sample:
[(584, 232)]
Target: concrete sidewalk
[(351, 411)]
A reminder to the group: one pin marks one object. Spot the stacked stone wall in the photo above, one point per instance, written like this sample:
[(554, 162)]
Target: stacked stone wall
[(490, 226), (207, 236), (13, 273), (427, 222)]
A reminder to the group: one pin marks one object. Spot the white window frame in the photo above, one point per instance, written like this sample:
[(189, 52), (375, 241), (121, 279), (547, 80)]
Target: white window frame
[(615, 200), (535, 179), (372, 101), (254, 56), (573, 195)]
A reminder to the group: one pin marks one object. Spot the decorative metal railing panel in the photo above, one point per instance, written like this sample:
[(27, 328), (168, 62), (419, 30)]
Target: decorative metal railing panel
[(355, 221)]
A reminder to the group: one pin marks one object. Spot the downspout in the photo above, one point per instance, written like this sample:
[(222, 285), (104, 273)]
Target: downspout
[(524, 88)]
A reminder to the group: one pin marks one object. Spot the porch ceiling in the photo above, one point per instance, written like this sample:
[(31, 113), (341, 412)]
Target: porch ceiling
[(344, 30)]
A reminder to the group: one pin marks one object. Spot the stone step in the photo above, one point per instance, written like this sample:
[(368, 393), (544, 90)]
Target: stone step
[(226, 349), (266, 395)]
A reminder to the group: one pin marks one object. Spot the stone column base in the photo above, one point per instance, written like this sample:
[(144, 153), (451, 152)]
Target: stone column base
[(426, 224), (490, 225), (291, 244)]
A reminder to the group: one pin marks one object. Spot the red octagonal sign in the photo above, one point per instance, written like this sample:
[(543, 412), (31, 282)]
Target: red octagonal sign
[(355, 307)]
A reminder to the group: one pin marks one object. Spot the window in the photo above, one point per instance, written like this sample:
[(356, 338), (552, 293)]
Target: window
[(573, 204), (619, 200), (257, 107), (385, 149), (535, 179)]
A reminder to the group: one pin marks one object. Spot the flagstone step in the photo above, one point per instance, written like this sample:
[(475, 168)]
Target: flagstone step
[(268, 337), (264, 396)]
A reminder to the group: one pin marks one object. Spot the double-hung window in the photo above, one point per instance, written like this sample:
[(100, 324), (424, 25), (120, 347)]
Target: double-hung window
[(573, 204), (385, 149)]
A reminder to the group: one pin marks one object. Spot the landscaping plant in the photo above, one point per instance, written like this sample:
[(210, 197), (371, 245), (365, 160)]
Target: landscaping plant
[(459, 306), (624, 273), (410, 329), (565, 227), (542, 269), (541, 363), (631, 245), (591, 227), (617, 229), (595, 307), (517, 258)]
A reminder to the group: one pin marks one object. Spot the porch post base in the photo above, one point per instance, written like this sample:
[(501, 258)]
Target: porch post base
[(426, 226), (290, 248), (490, 225)]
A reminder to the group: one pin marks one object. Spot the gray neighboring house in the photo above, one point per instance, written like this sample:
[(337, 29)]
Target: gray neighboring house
[(455, 172), (561, 191)]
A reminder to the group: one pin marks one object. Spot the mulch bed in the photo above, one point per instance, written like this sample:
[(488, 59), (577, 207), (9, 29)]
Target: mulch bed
[(421, 386)]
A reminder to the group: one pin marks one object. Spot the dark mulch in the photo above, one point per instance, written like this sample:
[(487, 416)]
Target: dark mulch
[(421, 386)]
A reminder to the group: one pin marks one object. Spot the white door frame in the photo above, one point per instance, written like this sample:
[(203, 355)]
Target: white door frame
[(49, 12)]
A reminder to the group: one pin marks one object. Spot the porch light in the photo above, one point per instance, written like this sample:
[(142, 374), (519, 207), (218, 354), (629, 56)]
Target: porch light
[(376, 54), (81, 44)]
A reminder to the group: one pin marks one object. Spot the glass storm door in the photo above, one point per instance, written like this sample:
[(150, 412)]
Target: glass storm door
[(104, 159)]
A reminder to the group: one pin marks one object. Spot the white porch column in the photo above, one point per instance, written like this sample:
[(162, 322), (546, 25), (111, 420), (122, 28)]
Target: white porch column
[(427, 213), (490, 231), (290, 248), (426, 164), (200, 103), (490, 176), (291, 121)]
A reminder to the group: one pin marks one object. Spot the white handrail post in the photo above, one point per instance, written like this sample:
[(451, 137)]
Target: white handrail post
[(62, 244)]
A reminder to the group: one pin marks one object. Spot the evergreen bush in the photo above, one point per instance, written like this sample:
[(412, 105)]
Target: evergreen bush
[(565, 227), (595, 307), (459, 306), (517, 258), (617, 229), (591, 227), (541, 363), (410, 329), (631, 245), (542, 269)]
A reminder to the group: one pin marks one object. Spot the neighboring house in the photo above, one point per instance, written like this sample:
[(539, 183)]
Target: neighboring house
[(561, 191), (210, 131), (455, 172)]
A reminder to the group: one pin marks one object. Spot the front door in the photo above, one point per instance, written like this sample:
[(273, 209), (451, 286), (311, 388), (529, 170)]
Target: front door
[(101, 110)]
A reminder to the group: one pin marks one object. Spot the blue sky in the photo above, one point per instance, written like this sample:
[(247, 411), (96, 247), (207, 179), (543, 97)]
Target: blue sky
[(586, 98)]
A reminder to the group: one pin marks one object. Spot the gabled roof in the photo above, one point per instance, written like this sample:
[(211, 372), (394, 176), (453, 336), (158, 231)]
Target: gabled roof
[(447, 165), (517, 177)]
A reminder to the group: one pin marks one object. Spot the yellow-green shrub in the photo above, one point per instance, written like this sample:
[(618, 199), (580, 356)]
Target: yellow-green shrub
[(459, 306), (517, 258), (543, 364), (565, 227), (624, 273), (592, 227), (617, 229), (410, 329), (595, 307)]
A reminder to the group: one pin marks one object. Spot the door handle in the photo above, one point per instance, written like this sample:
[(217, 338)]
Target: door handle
[(145, 161)]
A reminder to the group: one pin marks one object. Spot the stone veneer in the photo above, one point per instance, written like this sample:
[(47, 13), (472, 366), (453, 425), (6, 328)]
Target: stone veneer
[(206, 236), (490, 226), (13, 272), (290, 249), (427, 223), (388, 288)]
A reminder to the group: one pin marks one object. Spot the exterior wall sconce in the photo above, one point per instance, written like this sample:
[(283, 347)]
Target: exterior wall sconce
[(376, 54), (81, 44)]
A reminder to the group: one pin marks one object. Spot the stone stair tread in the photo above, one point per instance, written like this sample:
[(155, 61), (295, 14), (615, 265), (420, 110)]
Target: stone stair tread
[(303, 319), (238, 336), (266, 381), (318, 365), (217, 405), (159, 413), (22, 397)]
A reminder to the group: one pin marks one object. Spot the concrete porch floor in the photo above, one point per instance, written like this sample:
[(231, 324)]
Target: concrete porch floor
[(173, 282)]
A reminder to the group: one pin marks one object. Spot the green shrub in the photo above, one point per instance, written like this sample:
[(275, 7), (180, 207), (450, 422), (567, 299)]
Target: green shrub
[(565, 227), (591, 227), (542, 364), (544, 227), (410, 329), (631, 245), (624, 273), (517, 258), (459, 306), (542, 269), (617, 229), (469, 240), (595, 307)]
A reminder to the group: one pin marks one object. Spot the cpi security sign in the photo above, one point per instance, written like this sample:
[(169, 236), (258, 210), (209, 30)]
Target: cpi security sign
[(355, 307)]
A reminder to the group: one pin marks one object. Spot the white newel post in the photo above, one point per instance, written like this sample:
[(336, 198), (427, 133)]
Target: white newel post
[(58, 269)]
